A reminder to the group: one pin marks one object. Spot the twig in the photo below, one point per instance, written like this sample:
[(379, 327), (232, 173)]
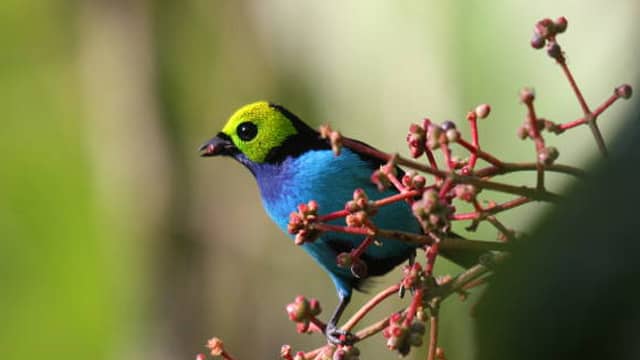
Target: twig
[(372, 303)]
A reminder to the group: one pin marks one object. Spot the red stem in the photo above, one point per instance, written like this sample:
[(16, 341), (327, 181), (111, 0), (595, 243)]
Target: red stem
[(574, 86), (433, 337), (533, 126), (432, 255), (446, 186), (366, 308), (355, 253), (432, 159), (507, 168), (397, 197), (343, 229), (382, 202), (332, 216), (538, 140), (483, 155), (588, 115), (226, 356), (475, 140), (394, 180), (491, 211), (318, 323), (583, 120), (446, 151), (413, 308)]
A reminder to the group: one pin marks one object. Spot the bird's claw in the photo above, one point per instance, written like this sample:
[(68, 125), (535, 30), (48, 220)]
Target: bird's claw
[(337, 336)]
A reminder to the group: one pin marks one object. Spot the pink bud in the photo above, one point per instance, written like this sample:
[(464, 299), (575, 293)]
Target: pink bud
[(483, 110), (537, 41), (560, 24), (624, 91), (216, 346)]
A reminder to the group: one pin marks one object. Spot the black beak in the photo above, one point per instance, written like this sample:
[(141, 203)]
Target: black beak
[(218, 145)]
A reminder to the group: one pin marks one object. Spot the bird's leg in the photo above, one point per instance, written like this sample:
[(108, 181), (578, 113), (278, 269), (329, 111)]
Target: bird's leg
[(334, 334)]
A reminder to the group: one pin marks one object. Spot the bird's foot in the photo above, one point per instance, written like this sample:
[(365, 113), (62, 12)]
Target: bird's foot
[(337, 336)]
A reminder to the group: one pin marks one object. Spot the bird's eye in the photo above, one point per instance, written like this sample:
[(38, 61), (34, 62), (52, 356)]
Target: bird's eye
[(247, 131)]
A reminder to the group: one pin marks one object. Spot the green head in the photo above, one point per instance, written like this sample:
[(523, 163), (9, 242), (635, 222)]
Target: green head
[(262, 132)]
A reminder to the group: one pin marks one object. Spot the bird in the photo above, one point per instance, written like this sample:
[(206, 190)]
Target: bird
[(292, 164)]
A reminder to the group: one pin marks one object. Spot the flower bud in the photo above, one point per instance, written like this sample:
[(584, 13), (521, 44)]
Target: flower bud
[(560, 24), (285, 352), (339, 354), (415, 139), (356, 219), (522, 132), (336, 142), (419, 181), (624, 91), (298, 310), (216, 346), (554, 51), (548, 155), (483, 110), (314, 307), (545, 28), (448, 125), (537, 41), (452, 135), (527, 95), (433, 136)]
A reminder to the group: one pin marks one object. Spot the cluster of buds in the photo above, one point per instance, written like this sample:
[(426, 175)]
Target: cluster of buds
[(466, 192), (415, 278), (430, 136), (400, 336), (215, 346), (416, 138), (300, 223), (442, 135), (381, 177), (345, 352), (303, 312), (286, 353), (432, 212), (545, 33), (360, 208), (413, 181), (334, 137)]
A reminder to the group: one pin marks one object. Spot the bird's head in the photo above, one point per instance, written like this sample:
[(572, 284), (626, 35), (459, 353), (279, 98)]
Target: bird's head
[(260, 133)]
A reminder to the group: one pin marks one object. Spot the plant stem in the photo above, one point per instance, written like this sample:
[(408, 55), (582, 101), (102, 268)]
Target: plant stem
[(508, 168), (588, 115), (433, 334), (372, 303)]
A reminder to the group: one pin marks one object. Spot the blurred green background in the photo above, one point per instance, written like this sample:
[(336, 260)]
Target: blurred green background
[(118, 242)]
